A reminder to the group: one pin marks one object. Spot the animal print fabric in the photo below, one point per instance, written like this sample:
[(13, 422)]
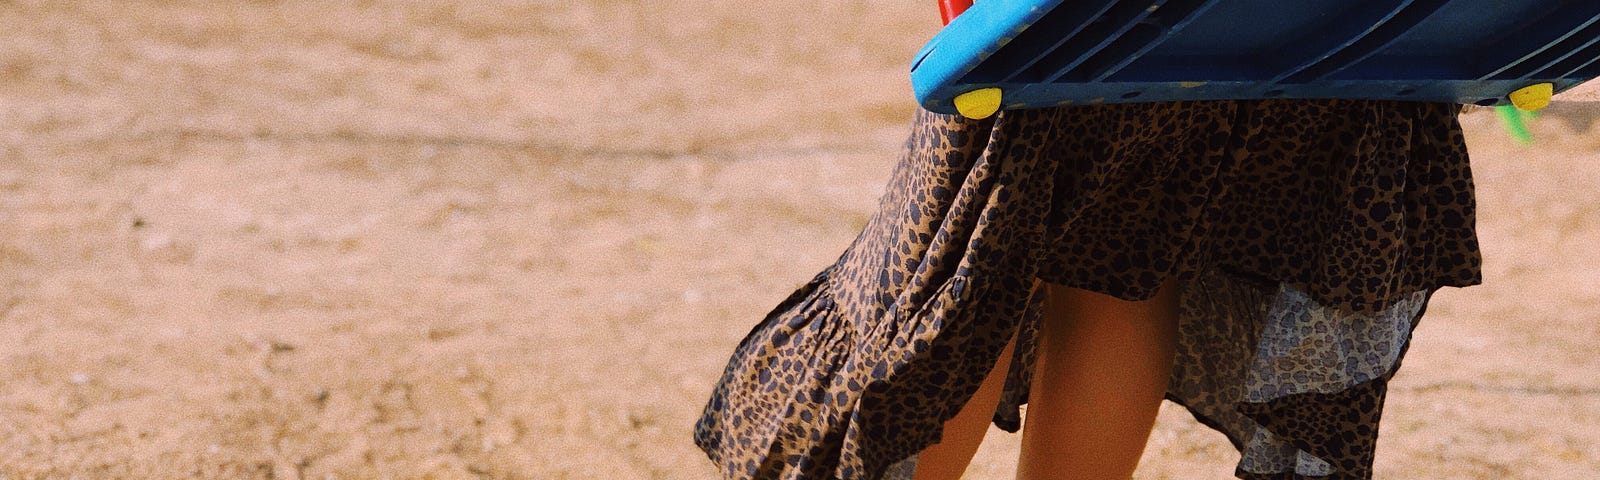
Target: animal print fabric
[(1306, 237)]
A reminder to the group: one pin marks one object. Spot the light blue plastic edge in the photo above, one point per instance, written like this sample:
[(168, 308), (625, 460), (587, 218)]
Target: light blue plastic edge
[(1002, 19)]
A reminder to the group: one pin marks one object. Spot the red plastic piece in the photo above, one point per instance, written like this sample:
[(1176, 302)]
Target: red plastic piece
[(948, 9)]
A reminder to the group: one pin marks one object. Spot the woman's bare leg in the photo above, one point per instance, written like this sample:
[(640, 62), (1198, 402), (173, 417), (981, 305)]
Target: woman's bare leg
[(948, 459), (1098, 382)]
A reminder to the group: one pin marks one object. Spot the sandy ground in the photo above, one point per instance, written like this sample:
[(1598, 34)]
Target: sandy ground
[(495, 239)]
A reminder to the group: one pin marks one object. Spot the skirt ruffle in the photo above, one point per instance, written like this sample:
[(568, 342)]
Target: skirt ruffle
[(1299, 294)]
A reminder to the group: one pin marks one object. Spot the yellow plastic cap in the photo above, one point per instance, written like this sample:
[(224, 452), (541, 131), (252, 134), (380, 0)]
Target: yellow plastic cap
[(1532, 97), (978, 104)]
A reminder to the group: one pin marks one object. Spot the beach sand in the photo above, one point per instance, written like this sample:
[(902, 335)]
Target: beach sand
[(495, 239)]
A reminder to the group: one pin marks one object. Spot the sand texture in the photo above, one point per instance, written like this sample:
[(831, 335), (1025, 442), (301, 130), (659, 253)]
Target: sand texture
[(518, 240)]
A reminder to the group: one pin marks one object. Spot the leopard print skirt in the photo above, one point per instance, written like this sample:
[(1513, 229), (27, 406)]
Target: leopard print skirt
[(1306, 237)]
